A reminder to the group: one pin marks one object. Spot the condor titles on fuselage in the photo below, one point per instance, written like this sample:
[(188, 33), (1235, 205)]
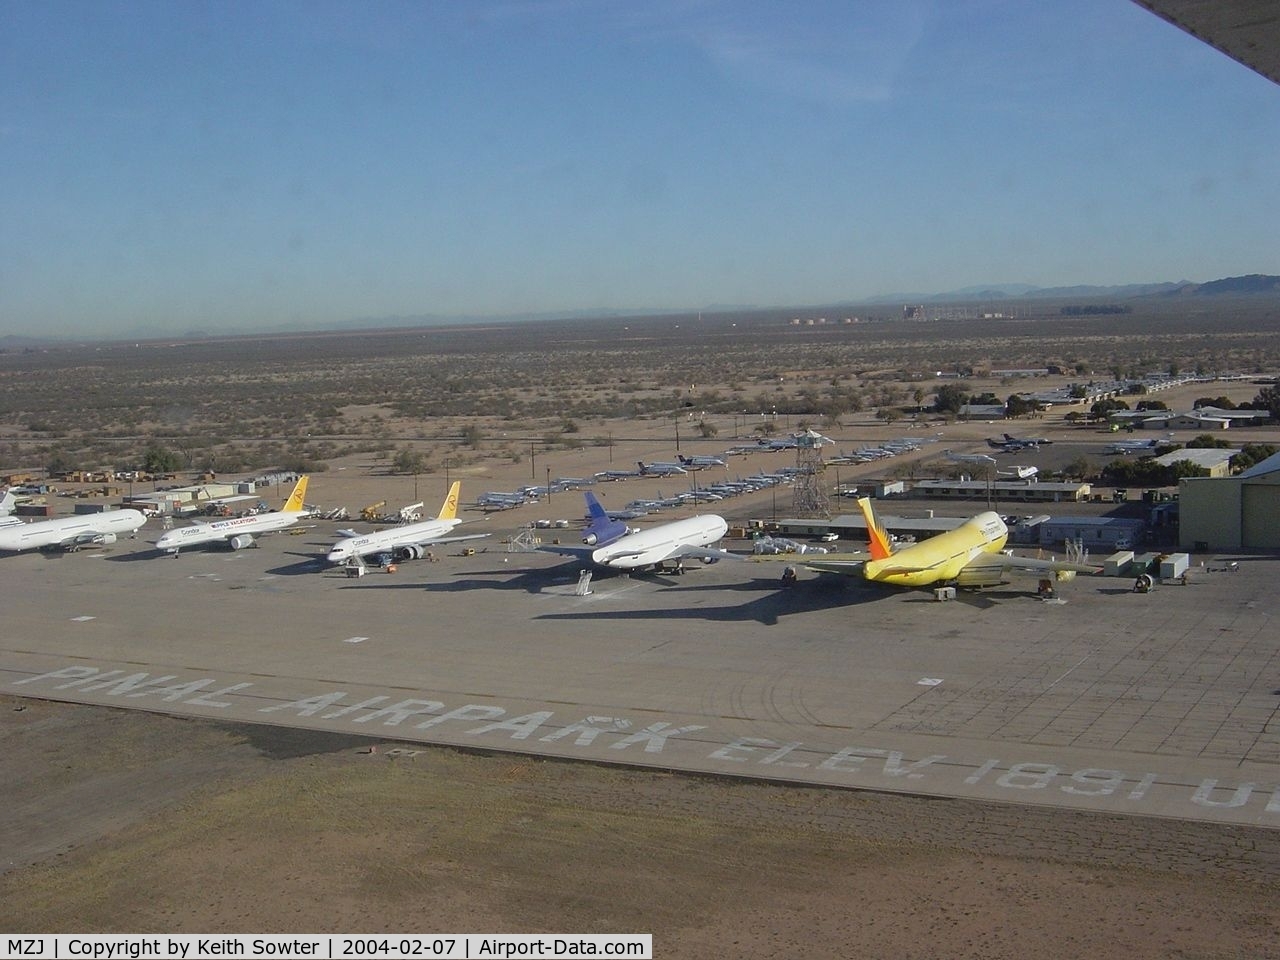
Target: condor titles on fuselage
[(408, 542), (238, 532)]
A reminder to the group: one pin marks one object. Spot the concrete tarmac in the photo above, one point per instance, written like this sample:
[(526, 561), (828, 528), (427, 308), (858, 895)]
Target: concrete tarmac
[(1106, 700)]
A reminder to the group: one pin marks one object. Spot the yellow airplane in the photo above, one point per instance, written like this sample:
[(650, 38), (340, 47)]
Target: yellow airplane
[(968, 556)]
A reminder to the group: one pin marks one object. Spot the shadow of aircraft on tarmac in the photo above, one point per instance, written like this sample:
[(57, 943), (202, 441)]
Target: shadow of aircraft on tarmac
[(771, 604)]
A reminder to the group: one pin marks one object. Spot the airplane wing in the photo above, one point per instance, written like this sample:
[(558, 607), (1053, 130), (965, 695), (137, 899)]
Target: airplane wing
[(702, 553), (1037, 564), (84, 538), (851, 564), (848, 563), (579, 550), (431, 541)]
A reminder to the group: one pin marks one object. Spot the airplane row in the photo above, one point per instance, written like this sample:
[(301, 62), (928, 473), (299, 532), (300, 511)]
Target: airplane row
[(972, 555)]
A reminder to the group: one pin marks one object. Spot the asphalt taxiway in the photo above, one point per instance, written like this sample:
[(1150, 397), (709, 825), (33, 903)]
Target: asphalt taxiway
[(1156, 704)]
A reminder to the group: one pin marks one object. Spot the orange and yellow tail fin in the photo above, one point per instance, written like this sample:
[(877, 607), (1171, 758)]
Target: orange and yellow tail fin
[(449, 509), (877, 539), (295, 502)]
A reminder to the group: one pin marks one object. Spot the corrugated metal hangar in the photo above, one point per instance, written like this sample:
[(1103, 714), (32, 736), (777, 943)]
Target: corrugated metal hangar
[(1232, 513)]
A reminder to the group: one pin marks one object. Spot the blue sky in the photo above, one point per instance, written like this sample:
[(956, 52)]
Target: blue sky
[(236, 166)]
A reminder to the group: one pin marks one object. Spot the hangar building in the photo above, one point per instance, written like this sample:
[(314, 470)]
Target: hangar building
[(1232, 513)]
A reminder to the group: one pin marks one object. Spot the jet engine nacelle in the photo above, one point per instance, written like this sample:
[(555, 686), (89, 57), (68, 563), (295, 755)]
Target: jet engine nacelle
[(240, 541), (605, 533), (409, 552), (107, 538)]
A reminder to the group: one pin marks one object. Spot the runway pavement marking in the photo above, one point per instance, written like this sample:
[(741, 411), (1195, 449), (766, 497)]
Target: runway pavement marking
[(1048, 776), (82, 619), (1069, 671)]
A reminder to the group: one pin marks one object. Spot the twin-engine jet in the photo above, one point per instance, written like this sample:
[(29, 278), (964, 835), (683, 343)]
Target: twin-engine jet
[(408, 542), (700, 463), (969, 556), (71, 533), (660, 469), (238, 532)]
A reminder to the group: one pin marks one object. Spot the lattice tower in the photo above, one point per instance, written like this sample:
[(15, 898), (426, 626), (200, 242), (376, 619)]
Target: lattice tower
[(810, 486)]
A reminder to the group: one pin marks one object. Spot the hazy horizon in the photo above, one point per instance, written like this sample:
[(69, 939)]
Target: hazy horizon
[(287, 166)]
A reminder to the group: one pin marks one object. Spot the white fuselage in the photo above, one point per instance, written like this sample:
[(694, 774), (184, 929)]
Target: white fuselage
[(83, 528), (646, 548), (225, 529), (384, 541), (662, 469)]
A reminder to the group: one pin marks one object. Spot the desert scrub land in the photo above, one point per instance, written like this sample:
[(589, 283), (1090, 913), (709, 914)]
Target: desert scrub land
[(246, 403)]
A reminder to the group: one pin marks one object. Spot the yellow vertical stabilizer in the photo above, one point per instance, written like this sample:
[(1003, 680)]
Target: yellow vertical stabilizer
[(877, 539), (449, 509), (295, 502)]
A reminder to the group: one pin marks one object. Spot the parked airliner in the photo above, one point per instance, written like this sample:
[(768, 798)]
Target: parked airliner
[(969, 556), (653, 547), (408, 542), (660, 469), (71, 533), (700, 463), (238, 532)]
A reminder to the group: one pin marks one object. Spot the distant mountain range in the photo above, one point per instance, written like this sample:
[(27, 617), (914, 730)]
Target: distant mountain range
[(1254, 283), (1231, 286)]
